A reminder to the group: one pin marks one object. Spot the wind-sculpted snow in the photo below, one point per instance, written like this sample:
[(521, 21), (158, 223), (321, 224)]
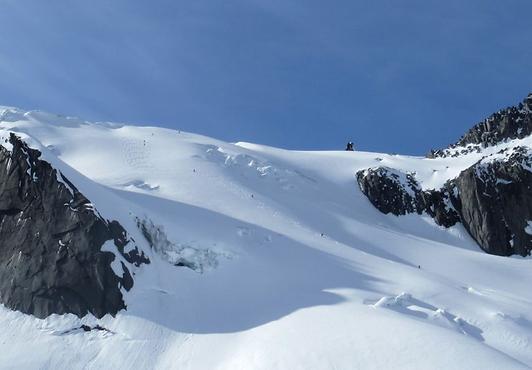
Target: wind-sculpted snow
[(286, 179), (405, 304)]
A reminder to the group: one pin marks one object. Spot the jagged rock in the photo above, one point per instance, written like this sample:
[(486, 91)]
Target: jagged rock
[(51, 238), (507, 124), (392, 191), (492, 199), (437, 204), (86, 329)]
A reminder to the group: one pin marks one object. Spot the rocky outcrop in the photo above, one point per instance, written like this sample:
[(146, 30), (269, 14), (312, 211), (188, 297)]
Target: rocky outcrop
[(507, 124), (389, 190), (492, 199), (392, 191), (51, 239)]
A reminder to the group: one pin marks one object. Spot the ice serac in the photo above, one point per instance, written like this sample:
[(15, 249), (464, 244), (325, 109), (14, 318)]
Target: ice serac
[(51, 238), (492, 198)]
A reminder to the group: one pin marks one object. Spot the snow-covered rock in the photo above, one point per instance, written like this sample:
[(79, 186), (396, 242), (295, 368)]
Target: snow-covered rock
[(51, 257), (492, 197)]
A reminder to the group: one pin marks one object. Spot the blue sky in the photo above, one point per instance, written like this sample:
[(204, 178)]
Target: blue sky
[(395, 76)]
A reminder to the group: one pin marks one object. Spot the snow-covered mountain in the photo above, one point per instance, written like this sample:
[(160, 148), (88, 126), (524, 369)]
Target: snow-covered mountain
[(141, 247), (492, 197)]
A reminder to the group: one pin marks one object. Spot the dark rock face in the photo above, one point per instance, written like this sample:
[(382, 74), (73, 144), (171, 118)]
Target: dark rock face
[(437, 204), (507, 124), (492, 199), (50, 242), (391, 191), (495, 202)]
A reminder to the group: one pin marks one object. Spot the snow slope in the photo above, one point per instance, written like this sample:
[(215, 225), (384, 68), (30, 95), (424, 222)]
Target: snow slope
[(297, 269)]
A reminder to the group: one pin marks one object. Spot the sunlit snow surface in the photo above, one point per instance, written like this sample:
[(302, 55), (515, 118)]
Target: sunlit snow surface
[(298, 269)]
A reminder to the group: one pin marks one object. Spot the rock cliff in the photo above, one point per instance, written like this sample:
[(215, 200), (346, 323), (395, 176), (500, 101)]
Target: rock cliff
[(51, 239)]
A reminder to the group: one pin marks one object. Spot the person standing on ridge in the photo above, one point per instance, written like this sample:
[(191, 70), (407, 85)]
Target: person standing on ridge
[(350, 147)]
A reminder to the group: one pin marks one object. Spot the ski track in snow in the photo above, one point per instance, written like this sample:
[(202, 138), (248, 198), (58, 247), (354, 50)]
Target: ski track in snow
[(307, 273)]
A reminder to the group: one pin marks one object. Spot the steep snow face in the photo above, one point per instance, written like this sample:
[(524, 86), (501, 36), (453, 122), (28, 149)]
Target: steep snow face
[(264, 258)]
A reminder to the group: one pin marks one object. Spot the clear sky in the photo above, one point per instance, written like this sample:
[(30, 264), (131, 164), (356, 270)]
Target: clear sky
[(391, 75)]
